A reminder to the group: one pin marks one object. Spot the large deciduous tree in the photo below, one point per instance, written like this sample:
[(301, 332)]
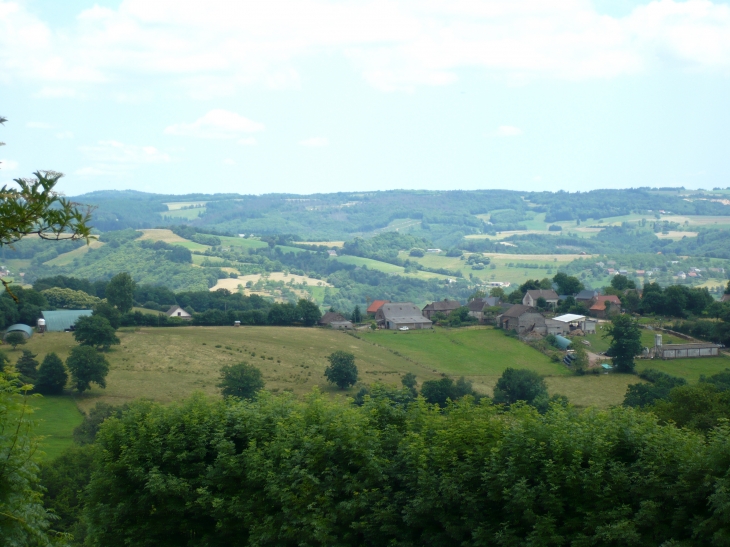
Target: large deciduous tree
[(120, 292), (308, 312), (519, 385), (241, 380), (96, 331), (342, 370), (52, 376), (87, 365), (625, 342)]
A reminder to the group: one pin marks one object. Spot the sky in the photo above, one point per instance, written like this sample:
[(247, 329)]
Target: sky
[(307, 96)]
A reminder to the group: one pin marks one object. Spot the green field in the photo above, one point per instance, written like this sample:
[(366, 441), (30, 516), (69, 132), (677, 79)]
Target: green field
[(67, 258), (385, 267), (187, 214), (57, 416)]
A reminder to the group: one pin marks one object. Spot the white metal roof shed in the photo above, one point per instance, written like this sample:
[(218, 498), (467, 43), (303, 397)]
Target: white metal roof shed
[(569, 318)]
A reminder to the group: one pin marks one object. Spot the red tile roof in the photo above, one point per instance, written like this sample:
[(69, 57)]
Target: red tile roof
[(600, 303), (376, 305)]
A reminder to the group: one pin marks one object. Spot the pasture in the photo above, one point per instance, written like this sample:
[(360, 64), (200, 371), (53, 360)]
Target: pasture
[(57, 417), (67, 258)]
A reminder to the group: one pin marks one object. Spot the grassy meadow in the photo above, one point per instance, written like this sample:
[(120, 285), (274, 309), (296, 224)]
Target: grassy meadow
[(168, 364)]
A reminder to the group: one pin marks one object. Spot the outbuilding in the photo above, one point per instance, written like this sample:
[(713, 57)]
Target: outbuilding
[(396, 315), (25, 330), (63, 320), (177, 311)]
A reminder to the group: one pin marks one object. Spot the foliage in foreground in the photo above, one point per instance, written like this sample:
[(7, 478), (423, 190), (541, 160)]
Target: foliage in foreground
[(275, 471)]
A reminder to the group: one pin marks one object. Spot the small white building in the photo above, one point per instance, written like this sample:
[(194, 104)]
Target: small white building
[(177, 311)]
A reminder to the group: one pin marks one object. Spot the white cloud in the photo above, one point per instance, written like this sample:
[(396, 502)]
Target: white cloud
[(114, 158), (56, 93), (315, 142), (229, 161), (248, 141), (64, 135), (508, 131), (213, 48), (216, 124), (38, 125), (9, 165)]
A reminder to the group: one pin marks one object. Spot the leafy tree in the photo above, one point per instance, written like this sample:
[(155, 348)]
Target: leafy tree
[(580, 359), (519, 385), (621, 283), (52, 376), (27, 367), (15, 339), (356, 315), (541, 303), (86, 366), (410, 382), (96, 331), (282, 314), (110, 313), (701, 406), (241, 380), (658, 386), (70, 299), (625, 342), (567, 284), (308, 312), (497, 292), (64, 480), (4, 361), (86, 432), (342, 370), (440, 391), (120, 292)]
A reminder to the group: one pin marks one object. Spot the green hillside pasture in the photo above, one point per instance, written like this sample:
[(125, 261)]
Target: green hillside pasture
[(57, 417), (246, 243), (187, 214), (168, 364), (385, 267), (517, 274), (67, 258), (168, 236), (177, 205), (691, 369)]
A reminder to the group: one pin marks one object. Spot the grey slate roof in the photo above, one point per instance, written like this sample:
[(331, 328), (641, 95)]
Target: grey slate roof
[(403, 312), (443, 305), (586, 294), (60, 320), (517, 310), (548, 294), (332, 317)]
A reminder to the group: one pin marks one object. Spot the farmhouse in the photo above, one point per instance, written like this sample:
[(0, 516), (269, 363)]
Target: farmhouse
[(725, 298), (395, 315), (478, 305), (335, 320), (62, 320), (443, 306), (177, 311), (585, 296), (600, 309), (375, 306), (522, 319), (531, 297)]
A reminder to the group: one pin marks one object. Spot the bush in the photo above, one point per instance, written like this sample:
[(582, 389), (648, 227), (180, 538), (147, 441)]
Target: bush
[(15, 339), (519, 385)]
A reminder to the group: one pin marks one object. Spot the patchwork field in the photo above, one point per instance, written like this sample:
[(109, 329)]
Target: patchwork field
[(232, 284), (168, 236)]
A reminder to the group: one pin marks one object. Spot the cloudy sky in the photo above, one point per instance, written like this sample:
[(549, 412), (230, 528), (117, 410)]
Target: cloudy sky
[(307, 96)]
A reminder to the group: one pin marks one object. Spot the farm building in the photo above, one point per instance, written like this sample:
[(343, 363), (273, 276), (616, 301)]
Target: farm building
[(335, 320), (531, 297), (25, 330), (601, 310), (394, 316), (587, 325), (522, 319), (725, 298), (478, 305), (62, 320), (177, 311), (375, 306), (443, 306), (684, 351), (585, 296)]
